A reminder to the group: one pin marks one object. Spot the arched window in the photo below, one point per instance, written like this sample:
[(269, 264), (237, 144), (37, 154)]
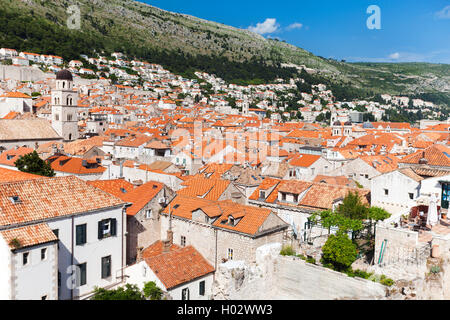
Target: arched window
[(63, 84)]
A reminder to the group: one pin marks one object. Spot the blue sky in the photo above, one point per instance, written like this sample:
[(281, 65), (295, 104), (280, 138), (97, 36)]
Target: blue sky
[(411, 30)]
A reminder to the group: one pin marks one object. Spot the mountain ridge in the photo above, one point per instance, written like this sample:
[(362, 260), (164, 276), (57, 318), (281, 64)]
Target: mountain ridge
[(147, 31)]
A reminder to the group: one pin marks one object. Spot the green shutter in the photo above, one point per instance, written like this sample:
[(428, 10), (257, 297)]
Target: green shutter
[(113, 227), (100, 230)]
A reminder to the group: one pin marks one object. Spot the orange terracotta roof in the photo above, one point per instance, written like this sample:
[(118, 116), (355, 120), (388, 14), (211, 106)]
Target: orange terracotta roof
[(252, 217), (41, 199), (436, 155), (209, 189), (179, 266), (15, 94), (11, 115), (156, 249), (304, 160), (140, 196), (334, 180), (118, 187), (7, 175), (29, 236), (74, 165), (10, 156)]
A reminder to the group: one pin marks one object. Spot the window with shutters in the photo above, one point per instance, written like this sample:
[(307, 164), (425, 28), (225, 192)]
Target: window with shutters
[(185, 294), (44, 254), (81, 274), (107, 228), (81, 234), (201, 290), (230, 254), (25, 258), (106, 267), (183, 241)]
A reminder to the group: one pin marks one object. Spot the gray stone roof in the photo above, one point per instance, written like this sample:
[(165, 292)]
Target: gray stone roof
[(36, 129)]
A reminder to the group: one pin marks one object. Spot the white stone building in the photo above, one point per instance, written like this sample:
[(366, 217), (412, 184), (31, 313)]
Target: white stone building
[(59, 238)]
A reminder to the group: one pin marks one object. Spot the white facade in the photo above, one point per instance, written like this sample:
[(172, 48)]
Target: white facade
[(141, 273), (11, 104), (90, 253), (394, 192), (36, 280)]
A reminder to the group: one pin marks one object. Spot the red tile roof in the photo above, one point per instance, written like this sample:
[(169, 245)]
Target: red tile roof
[(436, 155), (179, 266), (74, 165), (29, 236), (8, 157), (142, 195), (118, 187), (7, 175), (41, 199)]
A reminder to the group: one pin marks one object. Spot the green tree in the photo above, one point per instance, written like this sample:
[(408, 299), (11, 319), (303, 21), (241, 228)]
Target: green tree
[(377, 214), (339, 251), (32, 163), (353, 208), (129, 292), (151, 291)]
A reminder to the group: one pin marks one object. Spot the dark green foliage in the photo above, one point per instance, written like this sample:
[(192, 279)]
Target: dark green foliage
[(378, 214), (26, 32), (129, 292), (339, 251), (353, 208), (311, 260), (31, 163), (151, 291), (386, 281), (287, 251)]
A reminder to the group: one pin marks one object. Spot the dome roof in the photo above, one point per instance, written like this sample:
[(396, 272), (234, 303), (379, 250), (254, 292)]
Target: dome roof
[(337, 123), (64, 75), (348, 123)]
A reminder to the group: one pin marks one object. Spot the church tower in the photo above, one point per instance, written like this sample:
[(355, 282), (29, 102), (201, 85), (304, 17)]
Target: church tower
[(64, 107)]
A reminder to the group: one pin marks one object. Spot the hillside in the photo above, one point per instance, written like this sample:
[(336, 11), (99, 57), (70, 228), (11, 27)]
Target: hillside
[(185, 44)]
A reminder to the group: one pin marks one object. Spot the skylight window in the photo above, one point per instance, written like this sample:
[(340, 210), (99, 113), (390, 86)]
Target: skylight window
[(15, 199), (123, 190)]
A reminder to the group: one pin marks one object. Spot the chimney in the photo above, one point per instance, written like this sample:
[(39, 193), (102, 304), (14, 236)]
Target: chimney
[(168, 242), (121, 168)]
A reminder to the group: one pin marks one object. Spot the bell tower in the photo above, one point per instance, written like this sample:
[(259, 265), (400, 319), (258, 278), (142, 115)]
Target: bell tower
[(64, 107)]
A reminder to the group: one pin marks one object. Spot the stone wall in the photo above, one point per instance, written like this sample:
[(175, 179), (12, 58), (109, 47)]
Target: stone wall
[(288, 278), (23, 73)]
